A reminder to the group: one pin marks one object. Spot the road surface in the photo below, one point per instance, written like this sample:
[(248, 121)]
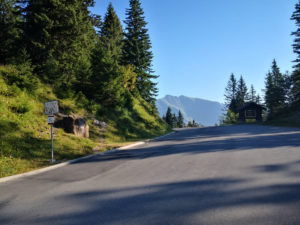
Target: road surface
[(232, 175)]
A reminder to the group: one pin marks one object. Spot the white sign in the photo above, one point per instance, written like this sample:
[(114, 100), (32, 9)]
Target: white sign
[(51, 108), (50, 120)]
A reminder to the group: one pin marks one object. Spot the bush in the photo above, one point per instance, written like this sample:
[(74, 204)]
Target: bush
[(81, 100), (21, 76), (230, 118), (9, 91)]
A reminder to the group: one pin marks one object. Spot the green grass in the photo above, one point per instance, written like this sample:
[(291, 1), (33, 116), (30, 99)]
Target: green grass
[(138, 123), (25, 134)]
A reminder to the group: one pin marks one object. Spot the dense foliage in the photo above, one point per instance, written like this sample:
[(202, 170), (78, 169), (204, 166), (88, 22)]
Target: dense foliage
[(11, 32), (62, 44), (57, 49)]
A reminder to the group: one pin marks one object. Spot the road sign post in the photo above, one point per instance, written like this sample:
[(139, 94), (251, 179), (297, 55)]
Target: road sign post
[(51, 122), (51, 108)]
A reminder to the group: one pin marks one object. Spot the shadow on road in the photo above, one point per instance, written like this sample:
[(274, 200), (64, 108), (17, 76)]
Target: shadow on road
[(223, 200), (172, 145), (174, 202), (211, 132), (206, 140)]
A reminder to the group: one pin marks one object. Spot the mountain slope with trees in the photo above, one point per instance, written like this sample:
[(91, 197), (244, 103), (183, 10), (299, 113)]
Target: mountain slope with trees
[(57, 49)]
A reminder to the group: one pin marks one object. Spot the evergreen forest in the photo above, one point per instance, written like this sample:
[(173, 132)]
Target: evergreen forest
[(91, 64)]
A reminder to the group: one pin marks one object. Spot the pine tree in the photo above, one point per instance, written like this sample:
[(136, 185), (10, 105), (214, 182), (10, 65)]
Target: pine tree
[(174, 121), (296, 85), (279, 85), (169, 117), (137, 51), (180, 120), (106, 79), (269, 93), (275, 89), (10, 31), (288, 85), (60, 36), (242, 92), (231, 94), (252, 94), (296, 47), (112, 34), (107, 76)]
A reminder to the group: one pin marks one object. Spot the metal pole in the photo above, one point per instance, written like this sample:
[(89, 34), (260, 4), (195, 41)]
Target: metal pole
[(52, 155)]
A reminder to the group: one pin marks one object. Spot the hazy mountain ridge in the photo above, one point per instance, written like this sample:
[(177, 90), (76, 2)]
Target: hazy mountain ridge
[(202, 111)]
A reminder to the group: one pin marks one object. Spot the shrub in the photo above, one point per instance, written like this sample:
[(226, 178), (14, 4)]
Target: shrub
[(21, 76), (230, 118)]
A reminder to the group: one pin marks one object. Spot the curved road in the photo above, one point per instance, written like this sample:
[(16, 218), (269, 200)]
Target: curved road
[(244, 174)]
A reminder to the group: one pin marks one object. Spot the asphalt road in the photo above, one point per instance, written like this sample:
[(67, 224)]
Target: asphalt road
[(231, 175)]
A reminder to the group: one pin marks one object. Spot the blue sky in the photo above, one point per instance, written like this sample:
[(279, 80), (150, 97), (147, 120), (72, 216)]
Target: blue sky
[(197, 44)]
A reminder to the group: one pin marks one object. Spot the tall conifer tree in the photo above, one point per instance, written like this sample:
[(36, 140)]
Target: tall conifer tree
[(180, 120), (174, 121), (60, 35), (231, 94), (288, 88), (275, 94), (269, 92), (252, 94), (112, 34), (137, 51), (242, 92), (279, 83), (296, 47), (169, 117), (107, 75), (10, 31)]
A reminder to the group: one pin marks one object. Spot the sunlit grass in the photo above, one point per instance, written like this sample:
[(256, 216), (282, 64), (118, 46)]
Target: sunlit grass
[(25, 135)]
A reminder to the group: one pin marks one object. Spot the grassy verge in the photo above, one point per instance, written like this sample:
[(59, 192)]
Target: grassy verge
[(25, 135)]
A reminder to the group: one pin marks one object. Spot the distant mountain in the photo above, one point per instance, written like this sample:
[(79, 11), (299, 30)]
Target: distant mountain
[(202, 111)]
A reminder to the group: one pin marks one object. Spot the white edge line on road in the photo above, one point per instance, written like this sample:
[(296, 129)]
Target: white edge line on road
[(155, 139), (38, 171)]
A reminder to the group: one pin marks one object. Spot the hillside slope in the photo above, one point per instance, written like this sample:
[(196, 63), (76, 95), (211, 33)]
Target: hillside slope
[(25, 134), (202, 111)]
